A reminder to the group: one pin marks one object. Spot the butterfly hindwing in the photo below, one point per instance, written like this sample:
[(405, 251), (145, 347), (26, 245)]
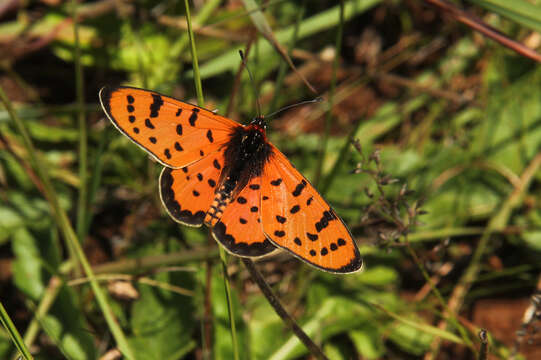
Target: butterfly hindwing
[(188, 192), (172, 131), (239, 229), (297, 218)]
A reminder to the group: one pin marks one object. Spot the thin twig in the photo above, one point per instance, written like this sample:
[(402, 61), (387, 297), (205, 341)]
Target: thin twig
[(483, 350), (479, 25), (281, 311)]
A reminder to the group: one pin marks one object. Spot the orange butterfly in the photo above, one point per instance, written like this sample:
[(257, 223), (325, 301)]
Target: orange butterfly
[(230, 178)]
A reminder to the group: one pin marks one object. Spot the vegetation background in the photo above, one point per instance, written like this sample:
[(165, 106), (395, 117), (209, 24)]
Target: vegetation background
[(428, 145)]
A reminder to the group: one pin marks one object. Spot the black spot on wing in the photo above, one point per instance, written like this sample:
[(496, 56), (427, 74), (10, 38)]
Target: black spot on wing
[(156, 105), (254, 186), (312, 252), (136, 130), (167, 153), (298, 189), (211, 182), (131, 119), (130, 108), (209, 136), (195, 193), (254, 209), (178, 147), (241, 200), (193, 116), (280, 219), (312, 237), (242, 221), (295, 209), (279, 233), (179, 128), (149, 124), (327, 216), (130, 99), (341, 242), (334, 247), (216, 164), (324, 251), (297, 241), (179, 111), (309, 201), (276, 182), (199, 176), (152, 139)]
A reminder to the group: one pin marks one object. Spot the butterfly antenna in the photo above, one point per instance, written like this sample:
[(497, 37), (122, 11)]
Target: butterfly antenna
[(252, 81), (318, 99)]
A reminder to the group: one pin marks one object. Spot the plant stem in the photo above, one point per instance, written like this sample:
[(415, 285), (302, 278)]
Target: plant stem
[(82, 204), (281, 311), (328, 117), (13, 333)]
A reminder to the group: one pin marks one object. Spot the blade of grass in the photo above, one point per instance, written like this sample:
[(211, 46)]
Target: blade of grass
[(317, 23), (260, 22), (328, 117), (96, 175), (82, 205), (13, 333), (67, 230), (223, 258), (44, 305), (429, 329), (283, 65)]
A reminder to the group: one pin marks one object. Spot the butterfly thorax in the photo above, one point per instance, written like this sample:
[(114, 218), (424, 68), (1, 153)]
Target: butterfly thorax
[(245, 155)]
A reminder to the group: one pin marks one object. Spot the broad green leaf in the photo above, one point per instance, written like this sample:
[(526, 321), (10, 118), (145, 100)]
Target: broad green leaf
[(162, 321)]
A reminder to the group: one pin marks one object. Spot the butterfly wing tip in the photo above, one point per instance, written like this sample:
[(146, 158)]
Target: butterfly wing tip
[(356, 265)]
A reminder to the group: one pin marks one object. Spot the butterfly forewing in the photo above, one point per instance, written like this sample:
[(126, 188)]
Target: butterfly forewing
[(239, 230), (174, 132), (297, 218), (188, 192)]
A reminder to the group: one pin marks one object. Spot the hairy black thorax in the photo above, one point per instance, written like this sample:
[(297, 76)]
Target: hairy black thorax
[(245, 155)]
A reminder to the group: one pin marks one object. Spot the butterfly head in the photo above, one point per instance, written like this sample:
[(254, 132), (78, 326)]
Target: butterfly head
[(259, 123)]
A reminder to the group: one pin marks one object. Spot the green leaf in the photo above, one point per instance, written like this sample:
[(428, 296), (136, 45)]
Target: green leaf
[(162, 322), (533, 239), (28, 272), (368, 342), (67, 326)]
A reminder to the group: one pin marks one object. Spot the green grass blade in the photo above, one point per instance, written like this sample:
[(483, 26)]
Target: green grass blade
[(82, 205), (330, 100), (195, 62), (66, 228), (13, 333), (325, 20), (201, 102)]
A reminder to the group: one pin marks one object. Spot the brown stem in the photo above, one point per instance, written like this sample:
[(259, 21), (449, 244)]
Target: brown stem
[(281, 311), (479, 25)]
